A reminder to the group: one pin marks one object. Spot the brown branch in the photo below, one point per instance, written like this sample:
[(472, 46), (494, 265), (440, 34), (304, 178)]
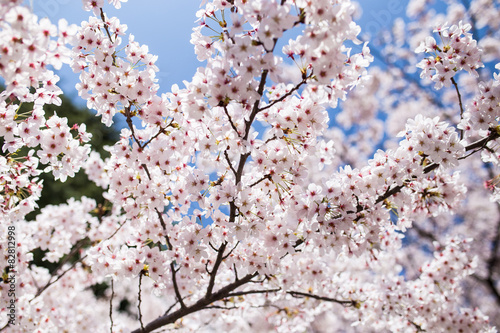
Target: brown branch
[(176, 287), (58, 278), (481, 143), (213, 273), (424, 234), (298, 294), (493, 261), (274, 102), (79, 244), (231, 121), (231, 251), (140, 301), (128, 116), (111, 306), (250, 292), (201, 304), (170, 247), (221, 307), (390, 192), (255, 109), (77, 247), (103, 18), (229, 162), (170, 308), (417, 327), (460, 103), (260, 180), (106, 27), (162, 130)]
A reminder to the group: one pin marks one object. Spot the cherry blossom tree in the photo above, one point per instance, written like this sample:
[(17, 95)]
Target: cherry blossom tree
[(289, 186)]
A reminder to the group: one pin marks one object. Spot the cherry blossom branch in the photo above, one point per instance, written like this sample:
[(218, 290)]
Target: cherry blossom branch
[(128, 116), (176, 286), (255, 109), (241, 165), (39, 292), (140, 300), (460, 103), (111, 306), (390, 192), (231, 121), (298, 294), (229, 162), (170, 308), (260, 180), (201, 304), (274, 102), (424, 234), (231, 251), (250, 292), (488, 282), (493, 260), (161, 131), (80, 244), (479, 144), (221, 307), (492, 263), (75, 249), (160, 217), (417, 326), (169, 244), (103, 18), (213, 273)]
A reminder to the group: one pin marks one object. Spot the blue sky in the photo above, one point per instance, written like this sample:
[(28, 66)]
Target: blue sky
[(165, 26)]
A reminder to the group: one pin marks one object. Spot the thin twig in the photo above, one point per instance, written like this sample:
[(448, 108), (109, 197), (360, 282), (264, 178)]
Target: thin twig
[(221, 307), (58, 278), (103, 18), (231, 121), (213, 273), (111, 305), (140, 300), (260, 180), (250, 292), (299, 294), (176, 287), (255, 109), (461, 106), (229, 162), (272, 103), (162, 130), (170, 308)]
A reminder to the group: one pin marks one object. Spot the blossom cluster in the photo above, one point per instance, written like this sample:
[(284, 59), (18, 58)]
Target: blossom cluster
[(434, 140), (109, 82), (481, 115), (458, 52), (29, 48)]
